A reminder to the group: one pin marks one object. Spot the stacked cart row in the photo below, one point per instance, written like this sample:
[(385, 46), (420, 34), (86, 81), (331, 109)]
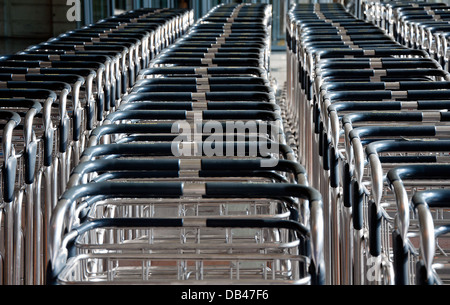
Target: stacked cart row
[(371, 118), (52, 96), (189, 180)]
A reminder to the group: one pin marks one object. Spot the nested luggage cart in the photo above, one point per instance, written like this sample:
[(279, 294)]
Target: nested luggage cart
[(52, 95), (432, 267), (18, 170), (140, 208), (403, 181), (227, 265), (352, 90)]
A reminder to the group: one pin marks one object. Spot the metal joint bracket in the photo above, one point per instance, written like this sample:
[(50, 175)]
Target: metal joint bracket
[(202, 71), (194, 222), (410, 105), (45, 64), (369, 52), (431, 116), (19, 77), (194, 189), (399, 94), (198, 96), (392, 85), (191, 164)]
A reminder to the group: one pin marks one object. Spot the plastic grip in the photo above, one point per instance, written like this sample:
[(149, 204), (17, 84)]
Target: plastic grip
[(100, 105), (90, 117), (165, 88), (326, 162), (365, 106), (235, 190), (374, 229), (345, 86), (357, 201), (433, 198), (9, 115), (334, 168), (154, 149), (132, 128), (64, 135), (429, 94), (159, 96), (400, 256), (147, 115), (385, 131), (263, 173), (424, 171), (408, 159), (239, 115), (104, 177), (242, 106), (30, 162), (250, 165), (28, 93), (76, 133), (114, 189), (124, 165), (382, 117), (347, 187), (48, 148), (187, 106), (238, 96), (359, 96), (399, 145), (257, 223), (9, 178)]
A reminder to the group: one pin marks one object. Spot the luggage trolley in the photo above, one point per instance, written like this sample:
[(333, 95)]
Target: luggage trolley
[(361, 124), (331, 152), (247, 187), (388, 13), (120, 47), (321, 54), (94, 105), (129, 165), (404, 181), (9, 175), (22, 186), (417, 59), (358, 137), (379, 226), (61, 158), (37, 177), (22, 157), (433, 264), (44, 91), (169, 22), (74, 110), (138, 106)]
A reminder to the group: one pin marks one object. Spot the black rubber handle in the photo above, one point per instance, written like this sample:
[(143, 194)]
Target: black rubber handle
[(127, 165), (382, 117), (399, 145), (424, 171), (432, 198), (135, 190), (153, 149), (236, 190), (385, 131), (28, 93)]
